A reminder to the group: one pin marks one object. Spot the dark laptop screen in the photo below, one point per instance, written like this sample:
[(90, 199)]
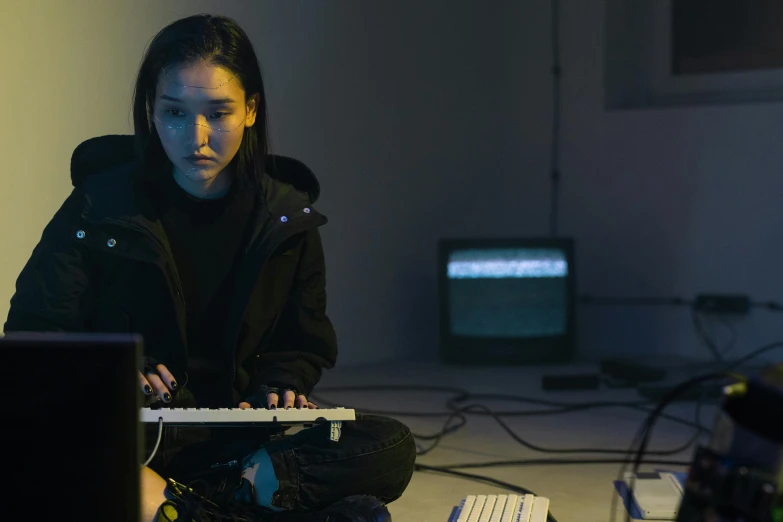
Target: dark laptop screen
[(71, 426)]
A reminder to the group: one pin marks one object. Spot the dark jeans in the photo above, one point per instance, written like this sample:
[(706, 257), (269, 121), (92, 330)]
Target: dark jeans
[(374, 456)]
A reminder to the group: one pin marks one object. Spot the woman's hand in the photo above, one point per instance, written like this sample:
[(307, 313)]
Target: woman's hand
[(290, 400), (159, 381)]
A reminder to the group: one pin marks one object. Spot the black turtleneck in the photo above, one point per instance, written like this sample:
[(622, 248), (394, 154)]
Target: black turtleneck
[(205, 237)]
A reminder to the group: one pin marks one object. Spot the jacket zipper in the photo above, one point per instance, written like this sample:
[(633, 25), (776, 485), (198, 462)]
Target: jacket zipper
[(268, 234), (234, 348), (177, 282)]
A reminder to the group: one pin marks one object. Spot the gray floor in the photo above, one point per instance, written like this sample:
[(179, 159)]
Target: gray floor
[(580, 492)]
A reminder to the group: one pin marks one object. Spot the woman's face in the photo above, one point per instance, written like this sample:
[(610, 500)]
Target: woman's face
[(200, 110)]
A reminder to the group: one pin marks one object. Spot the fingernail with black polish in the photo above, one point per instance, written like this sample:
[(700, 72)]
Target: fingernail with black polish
[(166, 397), (174, 385), (288, 407), (272, 406), (147, 389)]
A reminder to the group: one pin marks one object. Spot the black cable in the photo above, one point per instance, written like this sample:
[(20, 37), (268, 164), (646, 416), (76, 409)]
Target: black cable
[(603, 451), (663, 301), (458, 411), (651, 419), (555, 152), (679, 301), (463, 395), (642, 437), (568, 407), (446, 430), (752, 355), (634, 443), (472, 409), (732, 336), (506, 485), (556, 462), (769, 305), (643, 431), (635, 301), (705, 336), (555, 158), (459, 392), (481, 478)]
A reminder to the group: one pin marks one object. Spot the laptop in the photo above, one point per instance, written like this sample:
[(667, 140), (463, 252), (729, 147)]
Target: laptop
[(73, 441)]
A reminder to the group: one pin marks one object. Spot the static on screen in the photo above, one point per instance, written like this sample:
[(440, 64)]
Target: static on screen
[(508, 293)]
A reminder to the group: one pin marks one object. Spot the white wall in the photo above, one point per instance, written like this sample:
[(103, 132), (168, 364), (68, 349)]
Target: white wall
[(666, 202), (396, 106), (429, 119)]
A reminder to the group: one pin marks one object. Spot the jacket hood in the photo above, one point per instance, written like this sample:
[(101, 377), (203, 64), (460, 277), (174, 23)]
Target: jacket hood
[(102, 153)]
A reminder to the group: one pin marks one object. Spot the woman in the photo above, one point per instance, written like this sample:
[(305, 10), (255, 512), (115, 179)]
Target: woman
[(208, 246)]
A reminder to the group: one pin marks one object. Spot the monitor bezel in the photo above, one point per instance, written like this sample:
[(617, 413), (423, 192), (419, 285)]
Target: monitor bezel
[(457, 349)]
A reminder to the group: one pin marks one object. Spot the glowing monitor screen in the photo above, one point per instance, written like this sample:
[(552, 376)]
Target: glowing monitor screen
[(508, 293)]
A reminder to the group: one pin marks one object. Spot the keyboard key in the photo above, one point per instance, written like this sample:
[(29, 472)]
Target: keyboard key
[(477, 508), (527, 507), (467, 507), (489, 506), (500, 505), (511, 509)]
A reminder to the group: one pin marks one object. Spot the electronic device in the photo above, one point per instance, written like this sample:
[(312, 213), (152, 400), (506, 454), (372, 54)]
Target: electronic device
[(573, 381), (246, 416), (64, 466), (501, 508), (251, 416), (656, 495), (739, 474), (507, 301)]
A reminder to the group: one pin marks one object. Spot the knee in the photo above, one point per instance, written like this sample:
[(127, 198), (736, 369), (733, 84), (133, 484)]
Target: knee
[(399, 449), (153, 494), (407, 455), (387, 431)]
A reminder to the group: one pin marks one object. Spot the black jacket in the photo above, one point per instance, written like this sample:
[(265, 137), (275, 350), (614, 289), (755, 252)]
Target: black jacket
[(104, 265)]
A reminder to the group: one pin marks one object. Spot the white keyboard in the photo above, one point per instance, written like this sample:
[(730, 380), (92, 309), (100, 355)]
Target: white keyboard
[(250, 416), (194, 416), (501, 508)]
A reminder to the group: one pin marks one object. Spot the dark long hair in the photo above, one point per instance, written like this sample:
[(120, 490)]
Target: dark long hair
[(220, 41)]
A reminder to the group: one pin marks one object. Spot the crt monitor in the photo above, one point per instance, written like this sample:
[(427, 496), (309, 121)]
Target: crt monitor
[(506, 300)]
